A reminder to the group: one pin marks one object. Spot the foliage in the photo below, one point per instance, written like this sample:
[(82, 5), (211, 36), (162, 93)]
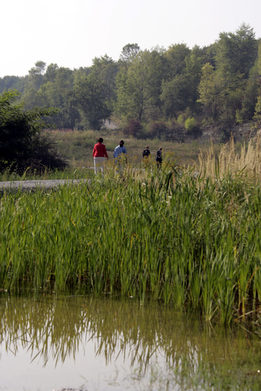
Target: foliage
[(190, 124), (138, 87), (21, 144), (218, 84), (157, 129), (171, 236), (192, 127), (236, 53), (90, 96), (133, 128), (257, 115), (129, 52), (174, 94)]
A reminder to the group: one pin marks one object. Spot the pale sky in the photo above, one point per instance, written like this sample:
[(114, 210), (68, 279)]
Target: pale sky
[(71, 33)]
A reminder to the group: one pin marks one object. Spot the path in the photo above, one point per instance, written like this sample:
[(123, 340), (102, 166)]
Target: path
[(38, 184)]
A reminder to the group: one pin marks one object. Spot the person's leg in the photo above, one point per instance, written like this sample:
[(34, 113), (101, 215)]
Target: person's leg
[(96, 161), (99, 164), (102, 164), (95, 165)]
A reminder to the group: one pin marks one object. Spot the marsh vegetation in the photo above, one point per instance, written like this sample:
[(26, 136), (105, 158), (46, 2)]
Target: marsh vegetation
[(188, 239)]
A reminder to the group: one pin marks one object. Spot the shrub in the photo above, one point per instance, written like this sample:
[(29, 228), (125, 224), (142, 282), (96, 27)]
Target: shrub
[(192, 127), (157, 129), (176, 132), (21, 145), (133, 128)]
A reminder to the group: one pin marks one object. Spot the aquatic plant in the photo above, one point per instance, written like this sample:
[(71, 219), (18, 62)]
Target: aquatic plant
[(171, 236)]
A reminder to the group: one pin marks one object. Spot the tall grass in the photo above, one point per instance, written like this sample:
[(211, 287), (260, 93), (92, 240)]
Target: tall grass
[(167, 235), (232, 161)]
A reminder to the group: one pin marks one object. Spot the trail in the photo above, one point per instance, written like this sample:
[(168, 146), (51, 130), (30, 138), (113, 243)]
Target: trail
[(38, 184)]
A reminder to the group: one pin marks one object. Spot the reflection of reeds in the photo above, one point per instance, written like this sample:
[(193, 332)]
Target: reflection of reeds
[(230, 161), (168, 235), (57, 328)]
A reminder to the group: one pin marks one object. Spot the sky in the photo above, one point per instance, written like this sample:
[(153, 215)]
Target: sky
[(71, 33)]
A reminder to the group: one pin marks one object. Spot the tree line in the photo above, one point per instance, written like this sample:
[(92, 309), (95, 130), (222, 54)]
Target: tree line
[(154, 92)]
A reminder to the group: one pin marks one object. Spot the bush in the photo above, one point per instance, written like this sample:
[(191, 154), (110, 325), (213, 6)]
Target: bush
[(192, 127), (133, 128), (21, 145), (157, 129), (176, 132)]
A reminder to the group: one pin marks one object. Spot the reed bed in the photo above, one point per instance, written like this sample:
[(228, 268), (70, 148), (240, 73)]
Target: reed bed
[(231, 160), (168, 235)]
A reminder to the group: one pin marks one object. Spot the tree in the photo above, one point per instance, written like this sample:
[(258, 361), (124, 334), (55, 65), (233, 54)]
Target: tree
[(236, 53), (34, 80), (175, 95), (57, 91), (104, 70), (12, 83), (129, 52), (248, 97), (94, 91), (90, 98), (258, 65), (257, 115), (175, 60), (193, 71), (139, 87), (208, 92), (21, 143), (181, 79)]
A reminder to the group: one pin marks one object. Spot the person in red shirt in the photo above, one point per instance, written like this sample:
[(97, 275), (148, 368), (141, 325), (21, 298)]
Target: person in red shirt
[(99, 154)]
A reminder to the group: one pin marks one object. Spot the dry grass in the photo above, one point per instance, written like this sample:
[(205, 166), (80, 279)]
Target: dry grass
[(230, 160)]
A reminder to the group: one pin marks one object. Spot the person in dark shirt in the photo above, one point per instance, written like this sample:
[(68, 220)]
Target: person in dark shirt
[(146, 152), (159, 157)]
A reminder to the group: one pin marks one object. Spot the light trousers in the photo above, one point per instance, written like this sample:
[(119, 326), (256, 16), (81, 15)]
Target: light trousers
[(98, 164)]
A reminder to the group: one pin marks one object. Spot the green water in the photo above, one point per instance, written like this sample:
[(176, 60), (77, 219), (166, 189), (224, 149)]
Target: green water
[(84, 343)]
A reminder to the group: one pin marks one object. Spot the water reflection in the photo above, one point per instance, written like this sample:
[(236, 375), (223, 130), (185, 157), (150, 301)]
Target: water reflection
[(138, 346)]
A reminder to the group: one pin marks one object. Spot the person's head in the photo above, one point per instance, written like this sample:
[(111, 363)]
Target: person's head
[(121, 143), (100, 140), (147, 147)]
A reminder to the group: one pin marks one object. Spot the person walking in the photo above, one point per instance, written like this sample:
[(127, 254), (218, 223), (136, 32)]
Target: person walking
[(159, 157), (99, 154), (146, 157), (120, 149), (119, 155), (146, 153)]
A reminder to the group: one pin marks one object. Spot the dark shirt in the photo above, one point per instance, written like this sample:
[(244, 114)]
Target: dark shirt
[(146, 153), (159, 156)]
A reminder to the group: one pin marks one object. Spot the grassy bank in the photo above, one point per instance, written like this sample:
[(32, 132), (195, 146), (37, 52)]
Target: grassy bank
[(77, 147), (169, 235)]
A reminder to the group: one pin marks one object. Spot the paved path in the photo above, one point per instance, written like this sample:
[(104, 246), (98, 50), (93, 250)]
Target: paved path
[(38, 184)]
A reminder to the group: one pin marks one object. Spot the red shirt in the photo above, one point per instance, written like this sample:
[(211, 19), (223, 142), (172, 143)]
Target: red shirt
[(99, 150)]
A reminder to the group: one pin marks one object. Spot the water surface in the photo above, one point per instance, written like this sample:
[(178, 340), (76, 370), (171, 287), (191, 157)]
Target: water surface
[(50, 343)]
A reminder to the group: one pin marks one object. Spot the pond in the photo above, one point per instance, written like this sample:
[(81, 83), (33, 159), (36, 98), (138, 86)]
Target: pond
[(85, 343)]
